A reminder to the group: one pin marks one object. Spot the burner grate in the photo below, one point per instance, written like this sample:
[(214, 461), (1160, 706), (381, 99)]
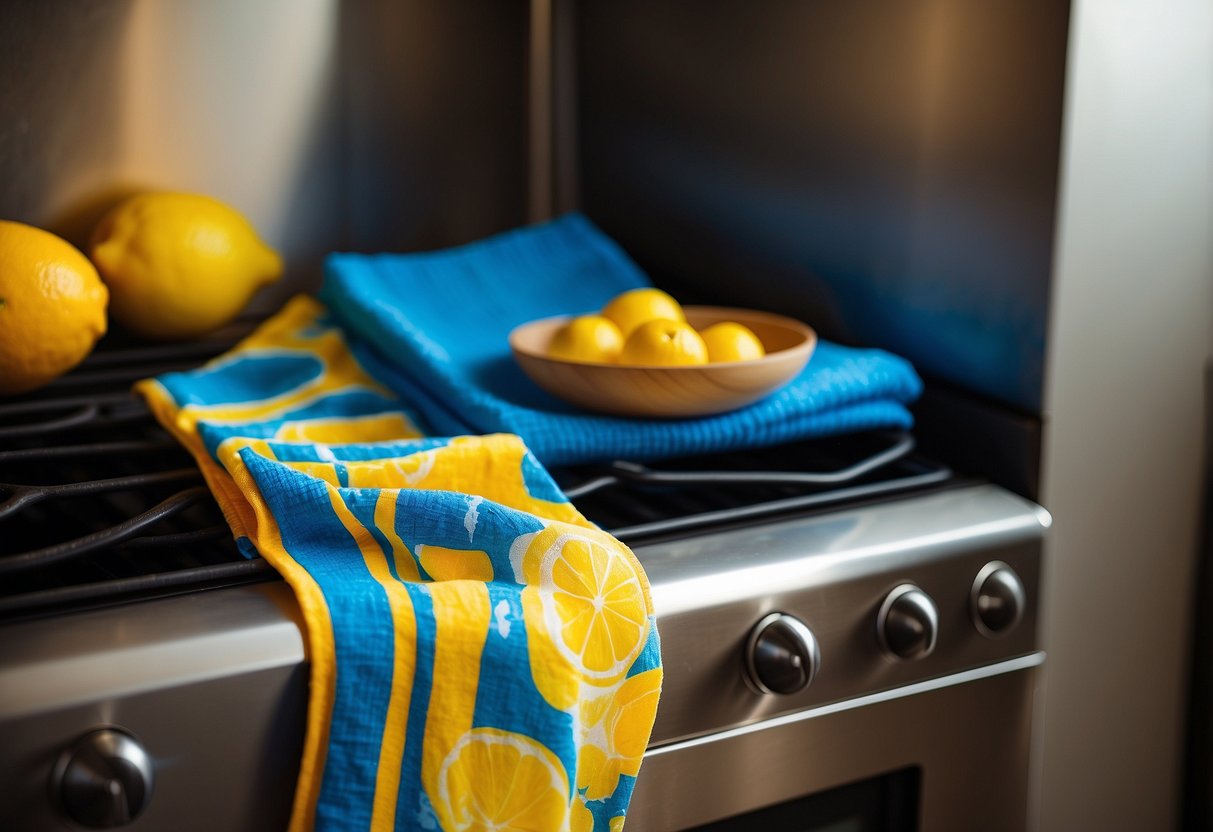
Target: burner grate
[(98, 504), (637, 502)]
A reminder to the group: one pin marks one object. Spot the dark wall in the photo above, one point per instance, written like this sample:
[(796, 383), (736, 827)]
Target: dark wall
[(434, 121), (1198, 761), (885, 171)]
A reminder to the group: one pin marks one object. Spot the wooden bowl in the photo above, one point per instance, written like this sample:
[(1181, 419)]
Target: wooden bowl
[(667, 392)]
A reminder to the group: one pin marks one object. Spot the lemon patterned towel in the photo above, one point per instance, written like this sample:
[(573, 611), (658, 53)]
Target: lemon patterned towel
[(482, 657)]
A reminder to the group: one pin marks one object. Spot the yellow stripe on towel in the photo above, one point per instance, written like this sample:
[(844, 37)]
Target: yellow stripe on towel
[(391, 749)]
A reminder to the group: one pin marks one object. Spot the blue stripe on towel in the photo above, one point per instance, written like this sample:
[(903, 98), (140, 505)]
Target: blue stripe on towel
[(413, 809), (509, 700), (362, 634)]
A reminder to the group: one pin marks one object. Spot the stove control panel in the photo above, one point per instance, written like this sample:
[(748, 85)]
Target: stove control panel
[(830, 609)]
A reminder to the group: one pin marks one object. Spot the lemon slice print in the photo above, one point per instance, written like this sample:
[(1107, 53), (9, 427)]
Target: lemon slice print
[(498, 780), (594, 602), (585, 604), (615, 737)]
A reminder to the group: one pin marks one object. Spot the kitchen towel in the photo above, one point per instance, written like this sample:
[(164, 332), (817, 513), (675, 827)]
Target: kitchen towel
[(434, 327), (481, 656)]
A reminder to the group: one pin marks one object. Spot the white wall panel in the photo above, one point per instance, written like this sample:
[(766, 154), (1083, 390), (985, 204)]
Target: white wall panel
[(1131, 330)]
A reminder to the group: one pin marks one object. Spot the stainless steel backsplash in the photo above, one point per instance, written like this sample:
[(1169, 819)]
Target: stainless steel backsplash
[(885, 171), (371, 125)]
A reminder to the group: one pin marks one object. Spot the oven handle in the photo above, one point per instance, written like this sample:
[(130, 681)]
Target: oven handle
[(1015, 665)]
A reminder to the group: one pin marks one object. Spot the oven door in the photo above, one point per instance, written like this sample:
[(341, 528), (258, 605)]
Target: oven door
[(942, 754), (884, 803)]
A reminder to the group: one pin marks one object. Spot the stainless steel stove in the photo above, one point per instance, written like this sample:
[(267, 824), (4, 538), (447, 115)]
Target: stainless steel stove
[(849, 631)]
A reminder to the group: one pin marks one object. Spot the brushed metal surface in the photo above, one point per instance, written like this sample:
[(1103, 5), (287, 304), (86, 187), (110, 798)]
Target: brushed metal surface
[(62, 76), (369, 126), (833, 571), (237, 100), (105, 780), (53, 663), (213, 684), (198, 676), (969, 733), (434, 118), (720, 567), (886, 172)]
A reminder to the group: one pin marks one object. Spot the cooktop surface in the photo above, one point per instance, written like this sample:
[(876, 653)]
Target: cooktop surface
[(99, 504)]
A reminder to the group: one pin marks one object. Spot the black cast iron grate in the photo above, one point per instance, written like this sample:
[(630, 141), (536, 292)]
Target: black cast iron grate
[(98, 504)]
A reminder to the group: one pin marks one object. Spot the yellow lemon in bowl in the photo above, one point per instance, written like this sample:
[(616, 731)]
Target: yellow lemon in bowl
[(52, 307), (728, 341), (179, 265), (637, 306), (664, 343), (587, 338)]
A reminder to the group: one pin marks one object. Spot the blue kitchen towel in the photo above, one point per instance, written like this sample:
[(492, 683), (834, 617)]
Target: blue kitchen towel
[(435, 328)]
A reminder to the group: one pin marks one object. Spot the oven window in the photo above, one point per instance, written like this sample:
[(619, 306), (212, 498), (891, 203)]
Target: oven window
[(887, 803)]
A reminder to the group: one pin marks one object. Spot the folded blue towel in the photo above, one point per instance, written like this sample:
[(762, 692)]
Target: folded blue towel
[(435, 328)]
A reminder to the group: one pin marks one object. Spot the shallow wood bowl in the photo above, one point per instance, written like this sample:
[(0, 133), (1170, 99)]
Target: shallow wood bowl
[(669, 392)]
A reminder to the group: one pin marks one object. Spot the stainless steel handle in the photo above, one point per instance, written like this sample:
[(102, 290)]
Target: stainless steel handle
[(908, 623), (997, 600), (104, 780), (782, 655)]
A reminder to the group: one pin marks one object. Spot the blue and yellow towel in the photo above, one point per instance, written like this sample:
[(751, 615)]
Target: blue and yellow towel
[(482, 657)]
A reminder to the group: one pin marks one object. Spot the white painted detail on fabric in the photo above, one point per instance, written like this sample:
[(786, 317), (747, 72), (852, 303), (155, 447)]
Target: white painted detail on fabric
[(469, 519), (501, 613)]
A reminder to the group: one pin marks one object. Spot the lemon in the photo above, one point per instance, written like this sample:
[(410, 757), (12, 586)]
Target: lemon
[(637, 306), (52, 307), (664, 343), (179, 265), (587, 338), (728, 341), (495, 779)]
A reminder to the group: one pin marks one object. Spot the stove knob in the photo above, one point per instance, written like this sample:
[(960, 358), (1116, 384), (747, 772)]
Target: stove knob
[(782, 654), (105, 780), (997, 600), (907, 623)]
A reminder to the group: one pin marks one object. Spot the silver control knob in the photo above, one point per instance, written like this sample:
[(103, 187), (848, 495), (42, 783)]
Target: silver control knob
[(782, 654), (997, 600), (908, 623), (105, 779)]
